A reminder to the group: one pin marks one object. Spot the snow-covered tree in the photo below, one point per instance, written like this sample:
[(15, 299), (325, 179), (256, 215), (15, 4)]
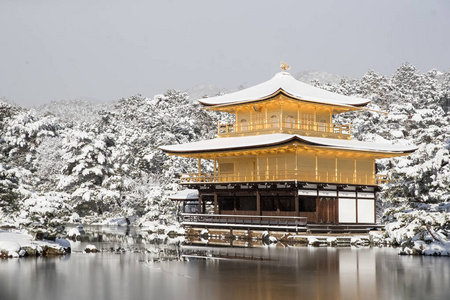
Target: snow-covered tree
[(9, 196), (419, 183)]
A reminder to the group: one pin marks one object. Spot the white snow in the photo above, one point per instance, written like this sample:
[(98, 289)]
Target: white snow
[(272, 239), (40, 205), (312, 240), (74, 218), (90, 248), (12, 249), (358, 145), (187, 194), (284, 81), (21, 238), (265, 236), (171, 229), (73, 232), (116, 221), (13, 242), (149, 226)]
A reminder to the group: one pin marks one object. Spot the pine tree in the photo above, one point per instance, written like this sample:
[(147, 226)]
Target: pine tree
[(9, 198)]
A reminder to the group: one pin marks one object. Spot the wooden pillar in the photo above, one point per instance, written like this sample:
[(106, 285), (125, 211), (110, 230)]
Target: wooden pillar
[(215, 169), (373, 172), (335, 170), (199, 169), (315, 119), (200, 203), (251, 120), (265, 120), (317, 168), (215, 204), (276, 165), (330, 127), (277, 203), (354, 171), (296, 203), (296, 162), (258, 203), (258, 177), (184, 207)]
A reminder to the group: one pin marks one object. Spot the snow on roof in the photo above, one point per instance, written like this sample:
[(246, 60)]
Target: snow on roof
[(256, 141), (358, 145), (285, 82), (187, 194)]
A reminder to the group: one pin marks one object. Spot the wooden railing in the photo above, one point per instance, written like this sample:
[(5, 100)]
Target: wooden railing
[(328, 177), (244, 220), (329, 129), (381, 179)]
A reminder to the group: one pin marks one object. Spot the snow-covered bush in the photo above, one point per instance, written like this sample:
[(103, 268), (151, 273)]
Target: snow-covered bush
[(46, 214)]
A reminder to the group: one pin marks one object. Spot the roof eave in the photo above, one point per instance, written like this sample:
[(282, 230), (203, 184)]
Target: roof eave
[(279, 91), (287, 141)]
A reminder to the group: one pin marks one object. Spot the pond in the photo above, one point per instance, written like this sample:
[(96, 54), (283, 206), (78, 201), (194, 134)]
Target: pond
[(136, 266)]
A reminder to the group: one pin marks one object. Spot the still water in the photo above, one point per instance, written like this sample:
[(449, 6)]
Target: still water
[(133, 266)]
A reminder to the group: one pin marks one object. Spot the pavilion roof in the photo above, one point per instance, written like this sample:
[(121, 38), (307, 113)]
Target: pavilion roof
[(285, 83), (267, 140)]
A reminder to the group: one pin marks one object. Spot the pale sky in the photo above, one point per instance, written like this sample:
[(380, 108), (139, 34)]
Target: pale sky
[(109, 49)]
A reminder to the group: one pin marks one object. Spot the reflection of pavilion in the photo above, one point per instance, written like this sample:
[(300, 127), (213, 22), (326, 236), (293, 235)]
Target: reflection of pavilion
[(284, 158), (287, 273), (357, 273)]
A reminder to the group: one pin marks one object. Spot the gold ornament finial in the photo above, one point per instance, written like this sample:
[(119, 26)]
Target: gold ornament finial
[(284, 66)]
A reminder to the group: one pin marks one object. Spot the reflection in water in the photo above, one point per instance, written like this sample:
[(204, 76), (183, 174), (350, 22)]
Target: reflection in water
[(121, 239), (170, 271)]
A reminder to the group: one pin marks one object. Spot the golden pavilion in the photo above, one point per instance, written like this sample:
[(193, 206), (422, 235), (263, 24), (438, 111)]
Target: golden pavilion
[(284, 161)]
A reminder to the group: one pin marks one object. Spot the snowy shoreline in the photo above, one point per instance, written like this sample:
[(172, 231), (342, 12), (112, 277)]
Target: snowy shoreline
[(18, 243)]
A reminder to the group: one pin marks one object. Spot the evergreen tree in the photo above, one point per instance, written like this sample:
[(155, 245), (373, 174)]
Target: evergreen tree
[(9, 198)]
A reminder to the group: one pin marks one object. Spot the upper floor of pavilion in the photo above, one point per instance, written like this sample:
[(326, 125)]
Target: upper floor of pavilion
[(284, 105)]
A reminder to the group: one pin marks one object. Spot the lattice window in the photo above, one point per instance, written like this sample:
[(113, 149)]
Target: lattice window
[(290, 122), (244, 125), (274, 122)]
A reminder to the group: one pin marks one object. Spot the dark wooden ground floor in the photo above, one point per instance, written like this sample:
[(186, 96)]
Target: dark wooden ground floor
[(318, 203)]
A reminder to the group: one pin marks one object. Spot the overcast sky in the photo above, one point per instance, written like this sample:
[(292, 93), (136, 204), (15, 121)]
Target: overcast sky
[(109, 49)]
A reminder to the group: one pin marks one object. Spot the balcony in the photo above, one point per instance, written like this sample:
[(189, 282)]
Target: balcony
[(319, 177), (319, 129), (286, 223)]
